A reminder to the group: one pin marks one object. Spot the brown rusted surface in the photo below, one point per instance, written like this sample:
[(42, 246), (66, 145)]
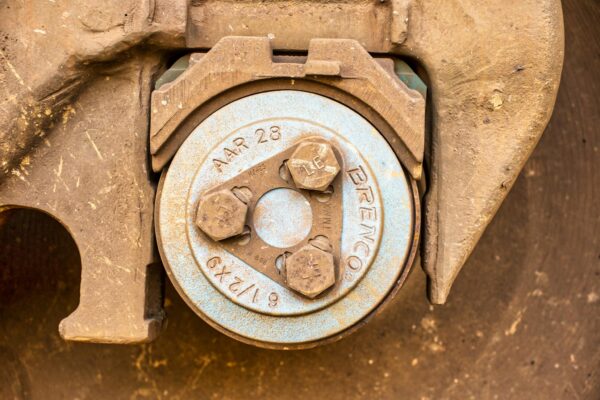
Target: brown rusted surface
[(77, 175), (536, 268), (525, 273), (50, 52), (74, 97), (313, 166), (493, 83), (221, 215), (238, 61), (310, 271), (493, 72), (379, 26)]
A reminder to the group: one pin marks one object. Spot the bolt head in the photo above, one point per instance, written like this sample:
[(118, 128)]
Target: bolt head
[(221, 215), (313, 165), (310, 271)]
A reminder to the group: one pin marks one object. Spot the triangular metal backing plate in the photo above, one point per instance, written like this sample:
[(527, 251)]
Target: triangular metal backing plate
[(264, 177)]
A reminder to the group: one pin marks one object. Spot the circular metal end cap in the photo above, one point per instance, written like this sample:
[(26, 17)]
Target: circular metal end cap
[(361, 241)]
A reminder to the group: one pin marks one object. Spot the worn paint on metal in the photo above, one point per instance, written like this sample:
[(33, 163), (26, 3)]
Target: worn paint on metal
[(283, 217), (371, 169)]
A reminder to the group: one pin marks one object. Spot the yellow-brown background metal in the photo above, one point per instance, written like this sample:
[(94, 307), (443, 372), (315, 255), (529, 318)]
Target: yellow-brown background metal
[(521, 321)]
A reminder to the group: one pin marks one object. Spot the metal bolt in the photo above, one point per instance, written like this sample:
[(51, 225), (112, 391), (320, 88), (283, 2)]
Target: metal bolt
[(221, 215), (313, 165), (310, 271)]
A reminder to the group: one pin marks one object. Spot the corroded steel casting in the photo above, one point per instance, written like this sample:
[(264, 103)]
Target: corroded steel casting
[(294, 153)]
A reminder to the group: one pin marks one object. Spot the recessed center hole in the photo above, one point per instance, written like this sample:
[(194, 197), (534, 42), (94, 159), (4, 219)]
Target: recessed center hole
[(282, 217)]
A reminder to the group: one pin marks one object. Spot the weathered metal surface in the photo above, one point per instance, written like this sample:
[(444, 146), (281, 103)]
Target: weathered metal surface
[(74, 98), (179, 106), (52, 50), (310, 271), (375, 250), (474, 126), (313, 166), (272, 217), (379, 26), (537, 263), (77, 175), (221, 214), (493, 86)]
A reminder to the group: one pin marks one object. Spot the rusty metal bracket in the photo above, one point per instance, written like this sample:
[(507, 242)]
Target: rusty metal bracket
[(338, 64)]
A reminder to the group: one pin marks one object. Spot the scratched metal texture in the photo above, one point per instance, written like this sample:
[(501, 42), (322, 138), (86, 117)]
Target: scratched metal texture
[(522, 321), (185, 250)]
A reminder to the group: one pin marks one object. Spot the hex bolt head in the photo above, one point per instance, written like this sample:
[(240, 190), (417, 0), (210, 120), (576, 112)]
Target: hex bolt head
[(310, 271), (221, 215), (313, 165)]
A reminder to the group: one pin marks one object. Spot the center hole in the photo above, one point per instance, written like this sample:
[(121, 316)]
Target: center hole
[(282, 217)]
